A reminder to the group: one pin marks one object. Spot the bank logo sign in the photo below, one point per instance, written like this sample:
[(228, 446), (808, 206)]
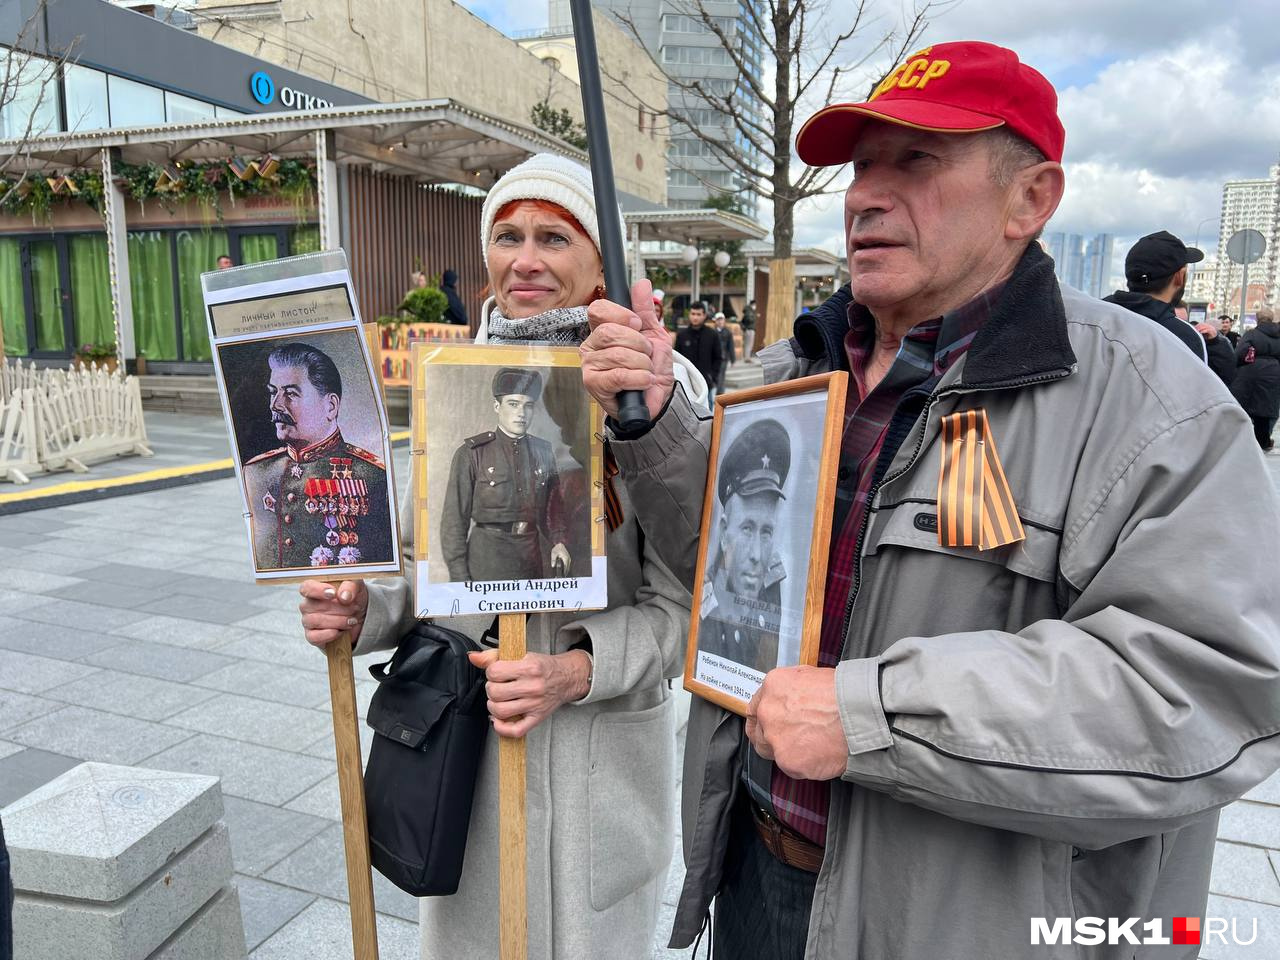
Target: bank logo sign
[(263, 89), (1092, 931)]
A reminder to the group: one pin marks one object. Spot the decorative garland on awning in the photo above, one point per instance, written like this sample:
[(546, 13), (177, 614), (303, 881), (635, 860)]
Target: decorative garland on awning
[(208, 184)]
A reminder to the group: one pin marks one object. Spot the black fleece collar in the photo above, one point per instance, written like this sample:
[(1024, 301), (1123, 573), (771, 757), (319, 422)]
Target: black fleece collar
[(1026, 335)]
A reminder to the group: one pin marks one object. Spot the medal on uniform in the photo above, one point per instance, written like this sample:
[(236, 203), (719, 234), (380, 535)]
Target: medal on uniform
[(331, 538), (269, 502), (311, 505), (296, 470), (321, 557), (348, 555)]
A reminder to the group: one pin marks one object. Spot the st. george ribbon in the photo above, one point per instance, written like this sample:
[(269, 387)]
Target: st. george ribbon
[(632, 412)]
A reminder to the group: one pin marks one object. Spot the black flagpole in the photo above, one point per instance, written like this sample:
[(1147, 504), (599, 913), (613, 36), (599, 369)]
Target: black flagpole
[(632, 412)]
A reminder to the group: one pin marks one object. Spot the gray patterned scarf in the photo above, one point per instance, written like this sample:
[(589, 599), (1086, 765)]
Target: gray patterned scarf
[(563, 325)]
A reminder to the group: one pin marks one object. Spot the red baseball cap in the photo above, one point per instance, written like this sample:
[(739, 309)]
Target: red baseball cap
[(961, 87)]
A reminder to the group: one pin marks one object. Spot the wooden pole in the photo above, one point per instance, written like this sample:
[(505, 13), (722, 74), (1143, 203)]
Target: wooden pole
[(512, 898), (355, 826)]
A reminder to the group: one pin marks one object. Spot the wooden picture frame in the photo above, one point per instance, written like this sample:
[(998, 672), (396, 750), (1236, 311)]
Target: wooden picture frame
[(464, 375), (767, 511)]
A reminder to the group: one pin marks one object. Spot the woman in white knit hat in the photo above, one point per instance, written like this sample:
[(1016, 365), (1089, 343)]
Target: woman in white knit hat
[(593, 690)]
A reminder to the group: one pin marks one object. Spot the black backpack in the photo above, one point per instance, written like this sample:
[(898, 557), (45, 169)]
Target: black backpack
[(430, 723)]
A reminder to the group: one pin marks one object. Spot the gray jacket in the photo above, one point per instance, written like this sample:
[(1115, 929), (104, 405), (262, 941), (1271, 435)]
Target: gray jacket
[(1046, 729)]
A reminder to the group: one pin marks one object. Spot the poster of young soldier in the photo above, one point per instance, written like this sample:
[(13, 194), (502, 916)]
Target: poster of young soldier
[(305, 412), (766, 528), (508, 484)]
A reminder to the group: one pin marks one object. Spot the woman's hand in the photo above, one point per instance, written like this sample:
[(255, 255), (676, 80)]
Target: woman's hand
[(522, 693), (628, 350), (329, 609)]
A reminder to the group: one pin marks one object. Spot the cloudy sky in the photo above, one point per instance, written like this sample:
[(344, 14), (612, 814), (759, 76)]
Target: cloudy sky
[(1162, 102)]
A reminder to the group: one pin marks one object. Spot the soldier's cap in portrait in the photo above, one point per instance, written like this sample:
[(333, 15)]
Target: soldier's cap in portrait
[(757, 461), (514, 380)]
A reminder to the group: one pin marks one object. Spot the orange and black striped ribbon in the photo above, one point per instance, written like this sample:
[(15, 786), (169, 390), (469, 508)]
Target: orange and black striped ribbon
[(612, 505), (975, 505)]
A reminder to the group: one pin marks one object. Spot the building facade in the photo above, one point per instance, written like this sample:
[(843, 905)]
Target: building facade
[(79, 65), (686, 50), (427, 49), (1082, 263), (1249, 204)]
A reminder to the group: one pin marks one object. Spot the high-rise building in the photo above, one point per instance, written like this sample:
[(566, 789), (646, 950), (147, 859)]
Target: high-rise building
[(1097, 265), (1085, 265), (1250, 204), (687, 50)]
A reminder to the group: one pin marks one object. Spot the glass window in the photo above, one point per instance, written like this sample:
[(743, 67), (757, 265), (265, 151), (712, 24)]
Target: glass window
[(198, 252), (134, 104), (13, 311), (91, 289), (180, 109), (226, 112), (256, 247), (151, 283), (47, 293), (86, 95), (31, 98), (304, 239)]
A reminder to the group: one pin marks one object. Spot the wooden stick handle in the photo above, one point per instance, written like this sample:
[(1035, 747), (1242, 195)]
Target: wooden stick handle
[(355, 826), (512, 897)]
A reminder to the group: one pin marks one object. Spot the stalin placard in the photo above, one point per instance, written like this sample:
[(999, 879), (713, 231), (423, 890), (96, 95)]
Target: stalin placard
[(507, 482), (307, 421)]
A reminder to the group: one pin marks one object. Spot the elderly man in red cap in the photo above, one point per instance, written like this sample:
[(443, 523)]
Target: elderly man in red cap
[(1026, 708)]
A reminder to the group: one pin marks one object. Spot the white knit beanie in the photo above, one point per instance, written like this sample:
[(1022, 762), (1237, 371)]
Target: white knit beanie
[(545, 176)]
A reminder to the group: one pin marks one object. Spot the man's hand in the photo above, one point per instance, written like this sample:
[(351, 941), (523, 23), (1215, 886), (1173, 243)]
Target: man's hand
[(329, 609), (1207, 330), (560, 552), (522, 693), (628, 350), (793, 720)]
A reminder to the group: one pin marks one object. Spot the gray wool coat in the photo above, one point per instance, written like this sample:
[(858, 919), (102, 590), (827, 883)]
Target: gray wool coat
[(600, 772)]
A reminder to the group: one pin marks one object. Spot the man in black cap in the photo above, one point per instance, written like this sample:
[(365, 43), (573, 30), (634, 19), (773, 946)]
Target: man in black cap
[(506, 482), (1156, 273), (742, 596)]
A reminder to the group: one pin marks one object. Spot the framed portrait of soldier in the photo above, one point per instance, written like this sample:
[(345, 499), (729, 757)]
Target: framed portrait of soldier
[(766, 530), (508, 482), (306, 417)]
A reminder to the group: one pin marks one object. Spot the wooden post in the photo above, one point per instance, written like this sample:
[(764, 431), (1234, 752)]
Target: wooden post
[(512, 899), (355, 826)]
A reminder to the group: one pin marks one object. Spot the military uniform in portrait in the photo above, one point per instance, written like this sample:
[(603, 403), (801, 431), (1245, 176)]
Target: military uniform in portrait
[(319, 505), (502, 518)]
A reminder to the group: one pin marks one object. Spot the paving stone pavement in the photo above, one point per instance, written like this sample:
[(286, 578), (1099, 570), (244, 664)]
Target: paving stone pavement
[(130, 633)]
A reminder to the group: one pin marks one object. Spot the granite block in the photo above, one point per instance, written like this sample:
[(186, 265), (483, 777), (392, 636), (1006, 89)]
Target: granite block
[(53, 928), (126, 596), (130, 695), (257, 721), (302, 688), (89, 617), (325, 748), (98, 736), (1244, 872), (216, 932), (35, 581), (278, 650), (319, 867), (210, 610), (51, 640), (322, 800), (1268, 791), (159, 660), (128, 575), (53, 563), (284, 622), (262, 835), (18, 708), (181, 632), (9, 749), (266, 907), (247, 770), (1256, 824), (323, 932), (28, 673), (24, 771), (98, 831)]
